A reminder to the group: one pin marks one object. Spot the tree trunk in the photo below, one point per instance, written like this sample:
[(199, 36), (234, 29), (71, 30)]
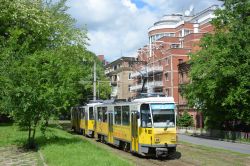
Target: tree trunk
[(29, 137), (34, 133)]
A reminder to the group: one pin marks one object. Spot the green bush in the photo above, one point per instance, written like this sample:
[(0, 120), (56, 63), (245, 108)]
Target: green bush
[(185, 120)]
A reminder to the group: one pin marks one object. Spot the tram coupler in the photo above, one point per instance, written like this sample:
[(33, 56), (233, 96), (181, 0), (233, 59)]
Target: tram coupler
[(161, 152)]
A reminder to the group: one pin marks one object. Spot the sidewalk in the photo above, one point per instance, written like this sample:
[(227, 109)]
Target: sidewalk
[(236, 147), (11, 155)]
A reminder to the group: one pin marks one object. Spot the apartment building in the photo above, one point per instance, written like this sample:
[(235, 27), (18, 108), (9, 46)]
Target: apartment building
[(119, 72), (171, 39)]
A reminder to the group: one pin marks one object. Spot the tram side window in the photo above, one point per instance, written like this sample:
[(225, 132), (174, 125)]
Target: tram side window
[(99, 114), (125, 115), (145, 116), (91, 113), (105, 115), (78, 113), (82, 113), (117, 112)]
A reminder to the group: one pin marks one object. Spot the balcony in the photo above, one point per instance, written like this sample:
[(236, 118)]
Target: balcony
[(150, 70), (154, 84), (155, 69), (136, 87)]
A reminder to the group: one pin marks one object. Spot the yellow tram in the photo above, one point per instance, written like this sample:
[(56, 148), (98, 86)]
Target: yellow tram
[(146, 126)]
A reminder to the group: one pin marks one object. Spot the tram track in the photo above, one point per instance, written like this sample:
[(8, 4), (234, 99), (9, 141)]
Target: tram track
[(132, 158)]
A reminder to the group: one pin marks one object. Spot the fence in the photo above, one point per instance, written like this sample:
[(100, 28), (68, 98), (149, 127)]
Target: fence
[(219, 134)]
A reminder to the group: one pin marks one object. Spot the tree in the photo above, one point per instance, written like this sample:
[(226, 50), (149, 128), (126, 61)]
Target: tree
[(185, 120), (220, 77), (41, 53)]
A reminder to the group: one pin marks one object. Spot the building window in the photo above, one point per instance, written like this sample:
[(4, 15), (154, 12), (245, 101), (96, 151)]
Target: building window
[(159, 63), (181, 78), (158, 77), (129, 86), (175, 46), (180, 61), (129, 76), (172, 34), (166, 76), (167, 61), (158, 90), (180, 34), (186, 32), (167, 92)]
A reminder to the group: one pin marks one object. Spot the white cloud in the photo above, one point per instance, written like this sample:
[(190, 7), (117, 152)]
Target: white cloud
[(130, 5), (119, 27)]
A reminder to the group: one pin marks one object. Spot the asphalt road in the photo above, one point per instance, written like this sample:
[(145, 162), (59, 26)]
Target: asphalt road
[(237, 147)]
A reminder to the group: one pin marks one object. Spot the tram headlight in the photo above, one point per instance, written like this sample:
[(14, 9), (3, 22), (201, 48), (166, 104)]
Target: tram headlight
[(157, 140), (173, 139)]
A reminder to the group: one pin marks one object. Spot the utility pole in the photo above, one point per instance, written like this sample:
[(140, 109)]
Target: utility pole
[(94, 83)]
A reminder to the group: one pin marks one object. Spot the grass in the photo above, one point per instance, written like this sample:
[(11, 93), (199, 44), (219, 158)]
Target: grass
[(202, 155), (61, 148)]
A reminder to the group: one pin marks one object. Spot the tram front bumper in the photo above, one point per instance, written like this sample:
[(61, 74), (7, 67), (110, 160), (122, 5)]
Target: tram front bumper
[(161, 152)]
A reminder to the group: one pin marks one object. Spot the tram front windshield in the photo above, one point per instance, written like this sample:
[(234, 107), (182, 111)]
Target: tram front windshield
[(163, 115)]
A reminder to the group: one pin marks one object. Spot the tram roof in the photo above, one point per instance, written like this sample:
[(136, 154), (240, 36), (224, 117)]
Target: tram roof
[(94, 104), (155, 100)]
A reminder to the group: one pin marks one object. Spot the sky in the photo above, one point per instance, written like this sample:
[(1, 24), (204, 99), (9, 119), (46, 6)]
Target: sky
[(119, 28)]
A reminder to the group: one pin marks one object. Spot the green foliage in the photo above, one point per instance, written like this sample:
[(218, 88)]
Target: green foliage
[(59, 147), (41, 61), (185, 120), (103, 86), (220, 75)]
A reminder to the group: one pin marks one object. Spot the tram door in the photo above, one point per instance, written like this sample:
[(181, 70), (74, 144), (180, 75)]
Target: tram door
[(134, 132), (110, 127)]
